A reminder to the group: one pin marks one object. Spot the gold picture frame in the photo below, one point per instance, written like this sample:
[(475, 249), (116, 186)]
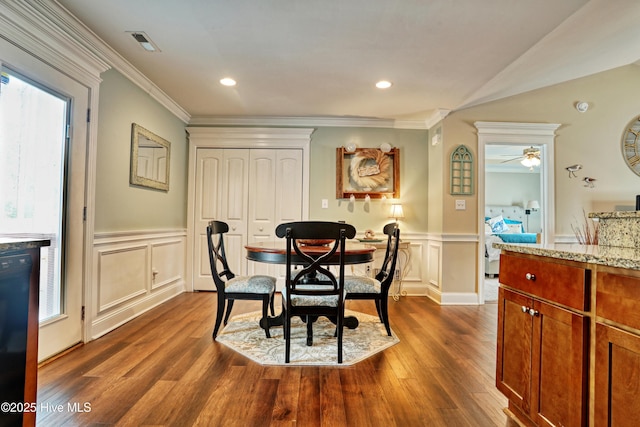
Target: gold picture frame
[(367, 172)]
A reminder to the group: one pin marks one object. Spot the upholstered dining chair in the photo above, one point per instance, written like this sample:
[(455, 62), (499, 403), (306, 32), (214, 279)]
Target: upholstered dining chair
[(377, 288), (314, 290), (231, 287)]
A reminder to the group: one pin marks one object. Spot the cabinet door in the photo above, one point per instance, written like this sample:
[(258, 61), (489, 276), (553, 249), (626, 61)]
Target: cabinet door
[(513, 367), (235, 200), (617, 377), (207, 206), (275, 185), (559, 366)]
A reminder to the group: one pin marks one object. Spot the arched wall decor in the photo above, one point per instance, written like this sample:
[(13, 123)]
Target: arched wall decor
[(462, 171)]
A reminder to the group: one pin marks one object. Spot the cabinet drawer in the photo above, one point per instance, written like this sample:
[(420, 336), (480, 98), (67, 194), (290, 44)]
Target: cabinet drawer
[(618, 297), (561, 283)]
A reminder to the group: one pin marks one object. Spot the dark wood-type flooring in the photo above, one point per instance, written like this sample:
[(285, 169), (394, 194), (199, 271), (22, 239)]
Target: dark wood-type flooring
[(163, 369)]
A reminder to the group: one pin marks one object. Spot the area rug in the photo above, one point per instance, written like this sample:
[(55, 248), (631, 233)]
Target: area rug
[(244, 335)]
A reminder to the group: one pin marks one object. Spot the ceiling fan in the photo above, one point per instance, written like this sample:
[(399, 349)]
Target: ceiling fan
[(530, 158)]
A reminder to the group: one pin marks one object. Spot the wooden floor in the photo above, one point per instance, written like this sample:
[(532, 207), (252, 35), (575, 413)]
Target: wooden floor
[(163, 369)]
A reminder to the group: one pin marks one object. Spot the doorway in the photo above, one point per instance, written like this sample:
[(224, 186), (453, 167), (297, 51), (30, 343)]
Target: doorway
[(520, 135), (43, 141)]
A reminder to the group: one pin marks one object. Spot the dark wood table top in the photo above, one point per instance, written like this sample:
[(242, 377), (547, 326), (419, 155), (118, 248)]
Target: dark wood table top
[(274, 252)]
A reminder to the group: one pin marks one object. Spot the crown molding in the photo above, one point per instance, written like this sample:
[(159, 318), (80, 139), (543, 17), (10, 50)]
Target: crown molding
[(292, 121), (46, 30), (436, 117), (53, 34), (307, 121)]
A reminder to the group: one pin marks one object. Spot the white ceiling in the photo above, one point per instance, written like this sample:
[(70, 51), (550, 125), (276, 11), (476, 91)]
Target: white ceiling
[(322, 58)]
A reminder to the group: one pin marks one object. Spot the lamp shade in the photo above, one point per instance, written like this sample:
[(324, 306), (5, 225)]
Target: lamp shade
[(396, 211), (533, 204)]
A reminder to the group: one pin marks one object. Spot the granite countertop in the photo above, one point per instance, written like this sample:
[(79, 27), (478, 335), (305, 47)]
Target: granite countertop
[(615, 215), (12, 244), (604, 255)]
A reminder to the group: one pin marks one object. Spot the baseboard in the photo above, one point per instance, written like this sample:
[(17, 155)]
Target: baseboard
[(126, 312)]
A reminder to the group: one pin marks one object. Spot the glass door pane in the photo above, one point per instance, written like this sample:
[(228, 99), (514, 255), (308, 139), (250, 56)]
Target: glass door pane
[(33, 130)]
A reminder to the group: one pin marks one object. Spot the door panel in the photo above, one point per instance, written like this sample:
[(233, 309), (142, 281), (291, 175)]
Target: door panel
[(207, 207), (235, 198)]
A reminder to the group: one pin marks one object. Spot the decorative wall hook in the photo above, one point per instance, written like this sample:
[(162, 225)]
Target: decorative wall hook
[(573, 169), (589, 182)]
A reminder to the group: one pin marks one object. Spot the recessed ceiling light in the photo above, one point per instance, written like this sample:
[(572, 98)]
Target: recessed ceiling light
[(383, 84), (228, 81)]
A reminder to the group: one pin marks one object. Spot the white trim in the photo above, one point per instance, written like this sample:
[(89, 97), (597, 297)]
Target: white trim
[(452, 237), (131, 235), (45, 30), (437, 116), (525, 134), (311, 121)]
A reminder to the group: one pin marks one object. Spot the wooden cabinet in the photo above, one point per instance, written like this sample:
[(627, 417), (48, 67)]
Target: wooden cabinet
[(617, 358), (543, 340)]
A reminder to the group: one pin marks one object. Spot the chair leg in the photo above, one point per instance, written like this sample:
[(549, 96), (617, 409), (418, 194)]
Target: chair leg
[(271, 303), (229, 307), (339, 327), (379, 310), (219, 314), (287, 337), (265, 304), (384, 316), (309, 331)]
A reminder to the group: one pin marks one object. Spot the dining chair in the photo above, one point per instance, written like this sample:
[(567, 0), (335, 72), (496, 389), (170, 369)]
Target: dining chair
[(377, 288), (231, 287), (314, 290)]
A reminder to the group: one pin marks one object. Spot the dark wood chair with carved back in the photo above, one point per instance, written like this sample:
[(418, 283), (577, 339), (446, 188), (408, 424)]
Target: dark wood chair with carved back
[(377, 288), (314, 290), (231, 287)]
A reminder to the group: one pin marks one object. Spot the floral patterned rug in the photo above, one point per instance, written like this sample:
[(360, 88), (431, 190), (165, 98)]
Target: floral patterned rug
[(244, 335)]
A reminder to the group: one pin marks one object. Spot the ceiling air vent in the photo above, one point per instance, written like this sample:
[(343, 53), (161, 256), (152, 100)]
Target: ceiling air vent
[(144, 41)]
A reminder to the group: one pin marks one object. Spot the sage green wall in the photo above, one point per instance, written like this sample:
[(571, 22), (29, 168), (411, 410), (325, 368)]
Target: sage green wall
[(414, 182), (592, 139), (119, 205)]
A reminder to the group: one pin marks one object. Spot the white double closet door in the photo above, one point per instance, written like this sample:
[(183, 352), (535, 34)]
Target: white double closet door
[(252, 190)]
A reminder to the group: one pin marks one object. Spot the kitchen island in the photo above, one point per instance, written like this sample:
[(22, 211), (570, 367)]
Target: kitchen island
[(569, 334)]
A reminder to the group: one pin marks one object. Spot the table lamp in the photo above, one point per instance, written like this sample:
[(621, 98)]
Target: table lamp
[(396, 211)]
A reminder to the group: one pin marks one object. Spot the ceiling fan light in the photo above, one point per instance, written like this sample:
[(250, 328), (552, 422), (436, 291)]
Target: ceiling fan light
[(527, 162), (227, 81)]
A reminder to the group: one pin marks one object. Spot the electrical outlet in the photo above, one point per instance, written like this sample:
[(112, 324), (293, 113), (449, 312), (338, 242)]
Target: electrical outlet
[(325, 203)]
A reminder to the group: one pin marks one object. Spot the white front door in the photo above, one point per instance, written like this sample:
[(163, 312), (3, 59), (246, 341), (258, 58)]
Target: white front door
[(43, 140)]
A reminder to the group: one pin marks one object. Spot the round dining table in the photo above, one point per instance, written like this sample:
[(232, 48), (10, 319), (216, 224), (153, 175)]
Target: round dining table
[(275, 252)]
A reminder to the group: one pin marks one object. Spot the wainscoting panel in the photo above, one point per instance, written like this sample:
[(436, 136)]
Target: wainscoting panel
[(167, 267), (133, 272), (434, 251), (120, 278)]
